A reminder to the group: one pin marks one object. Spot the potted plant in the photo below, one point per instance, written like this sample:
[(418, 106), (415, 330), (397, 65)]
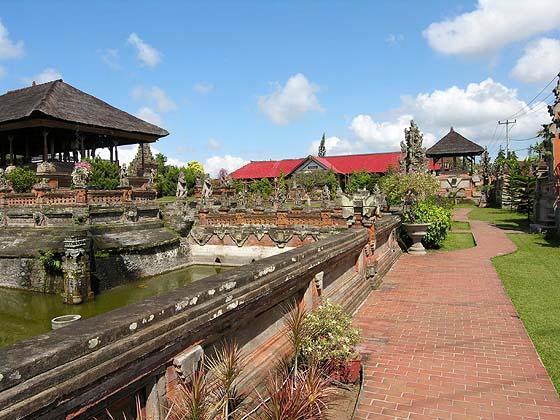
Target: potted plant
[(330, 339)]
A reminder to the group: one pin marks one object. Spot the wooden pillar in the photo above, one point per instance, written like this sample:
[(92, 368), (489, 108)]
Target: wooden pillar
[(3, 156), (12, 156), (82, 150), (27, 157), (93, 153), (111, 153), (52, 149), (45, 146), (116, 145)]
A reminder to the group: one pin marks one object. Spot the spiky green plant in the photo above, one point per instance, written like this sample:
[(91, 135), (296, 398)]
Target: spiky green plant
[(193, 400), (226, 368), (296, 329)]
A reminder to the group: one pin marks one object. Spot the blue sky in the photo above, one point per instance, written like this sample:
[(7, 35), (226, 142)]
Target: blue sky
[(234, 81)]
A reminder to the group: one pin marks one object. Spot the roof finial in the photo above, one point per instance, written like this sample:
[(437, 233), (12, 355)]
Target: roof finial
[(34, 83)]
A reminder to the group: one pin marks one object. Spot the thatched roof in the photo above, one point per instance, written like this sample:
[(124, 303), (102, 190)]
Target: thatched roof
[(454, 144), (60, 101)]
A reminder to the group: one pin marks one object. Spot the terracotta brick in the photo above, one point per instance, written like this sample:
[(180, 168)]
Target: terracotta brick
[(443, 340)]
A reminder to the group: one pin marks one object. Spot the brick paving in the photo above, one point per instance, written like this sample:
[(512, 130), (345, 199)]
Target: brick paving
[(441, 339)]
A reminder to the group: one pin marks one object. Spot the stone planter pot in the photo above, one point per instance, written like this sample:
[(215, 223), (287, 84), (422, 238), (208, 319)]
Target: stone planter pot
[(64, 320), (416, 232)]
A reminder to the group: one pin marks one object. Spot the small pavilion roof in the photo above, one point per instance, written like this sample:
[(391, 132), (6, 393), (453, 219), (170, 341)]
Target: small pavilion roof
[(60, 101), (454, 144)]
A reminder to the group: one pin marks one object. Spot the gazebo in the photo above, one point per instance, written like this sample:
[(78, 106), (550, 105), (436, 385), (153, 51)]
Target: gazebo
[(450, 147), (456, 179), (57, 123)]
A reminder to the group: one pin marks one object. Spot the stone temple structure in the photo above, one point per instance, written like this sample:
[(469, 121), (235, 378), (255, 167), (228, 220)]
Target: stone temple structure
[(455, 156)]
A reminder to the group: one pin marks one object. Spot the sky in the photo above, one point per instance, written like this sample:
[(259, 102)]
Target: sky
[(258, 80)]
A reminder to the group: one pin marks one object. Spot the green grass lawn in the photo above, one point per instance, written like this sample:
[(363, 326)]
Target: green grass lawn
[(455, 241), (504, 219), (531, 277), (455, 225)]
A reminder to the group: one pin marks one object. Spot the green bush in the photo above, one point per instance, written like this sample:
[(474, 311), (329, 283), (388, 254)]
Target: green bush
[(263, 186), (397, 185), (105, 175), (168, 175), (329, 334), (52, 261), (22, 179), (362, 179), (317, 179), (438, 217)]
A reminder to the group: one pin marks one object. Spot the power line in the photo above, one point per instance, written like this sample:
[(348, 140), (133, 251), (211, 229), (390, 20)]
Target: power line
[(527, 139), (533, 100)]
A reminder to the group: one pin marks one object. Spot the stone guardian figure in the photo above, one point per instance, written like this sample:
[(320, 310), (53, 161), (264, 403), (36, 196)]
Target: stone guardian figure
[(181, 186)]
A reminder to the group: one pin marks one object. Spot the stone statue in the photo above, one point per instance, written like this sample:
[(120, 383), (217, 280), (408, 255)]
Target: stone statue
[(241, 200), (206, 190), (124, 177), (258, 199), (307, 199), (4, 183), (297, 197), (152, 176), (325, 193), (181, 186)]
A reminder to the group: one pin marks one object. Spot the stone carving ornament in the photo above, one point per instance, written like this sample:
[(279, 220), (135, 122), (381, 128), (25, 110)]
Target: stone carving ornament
[(123, 177), (206, 190), (4, 183), (181, 186), (80, 174)]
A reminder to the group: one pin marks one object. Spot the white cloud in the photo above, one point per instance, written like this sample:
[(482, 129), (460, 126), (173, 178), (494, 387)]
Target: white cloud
[(8, 48), (290, 102), (145, 52), (155, 95), (47, 75), (394, 38), (213, 144), (111, 57), (148, 114), (128, 152), (227, 162), (203, 88), (492, 25), (333, 146), (540, 61), (473, 111)]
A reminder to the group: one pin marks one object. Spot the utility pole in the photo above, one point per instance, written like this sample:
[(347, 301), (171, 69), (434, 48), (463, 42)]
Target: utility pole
[(507, 123)]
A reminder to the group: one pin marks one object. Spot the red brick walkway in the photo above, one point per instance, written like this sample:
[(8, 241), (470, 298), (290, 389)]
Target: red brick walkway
[(442, 339)]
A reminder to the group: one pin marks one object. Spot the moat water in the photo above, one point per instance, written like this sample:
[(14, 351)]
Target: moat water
[(25, 314)]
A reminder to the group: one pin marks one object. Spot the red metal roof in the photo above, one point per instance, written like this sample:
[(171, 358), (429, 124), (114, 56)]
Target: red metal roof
[(344, 164), (266, 168)]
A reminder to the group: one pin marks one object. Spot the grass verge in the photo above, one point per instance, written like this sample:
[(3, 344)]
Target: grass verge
[(455, 241), (455, 225)]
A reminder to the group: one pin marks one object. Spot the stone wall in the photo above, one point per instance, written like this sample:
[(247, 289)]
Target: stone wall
[(80, 371)]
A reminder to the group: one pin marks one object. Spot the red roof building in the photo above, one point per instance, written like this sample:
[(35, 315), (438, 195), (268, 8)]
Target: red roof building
[(343, 165)]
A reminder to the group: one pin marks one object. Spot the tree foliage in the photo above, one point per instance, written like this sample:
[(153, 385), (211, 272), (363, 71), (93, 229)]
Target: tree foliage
[(105, 175), (397, 186), (316, 179), (168, 175), (360, 180), (22, 179), (322, 152), (262, 186)]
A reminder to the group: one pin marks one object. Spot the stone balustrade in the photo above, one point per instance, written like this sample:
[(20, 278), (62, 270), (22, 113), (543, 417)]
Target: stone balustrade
[(80, 371)]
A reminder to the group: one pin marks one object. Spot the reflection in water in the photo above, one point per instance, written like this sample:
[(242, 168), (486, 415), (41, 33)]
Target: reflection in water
[(25, 314)]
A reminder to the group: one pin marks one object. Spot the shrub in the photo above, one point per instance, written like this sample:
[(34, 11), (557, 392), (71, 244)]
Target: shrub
[(396, 186), (438, 217), (22, 179), (362, 179), (105, 175), (263, 186), (52, 261), (317, 179), (329, 334)]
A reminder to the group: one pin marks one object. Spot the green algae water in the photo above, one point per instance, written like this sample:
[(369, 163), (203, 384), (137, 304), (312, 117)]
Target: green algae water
[(24, 314)]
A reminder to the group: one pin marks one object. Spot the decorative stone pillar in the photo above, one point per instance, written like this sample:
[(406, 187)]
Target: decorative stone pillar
[(76, 270)]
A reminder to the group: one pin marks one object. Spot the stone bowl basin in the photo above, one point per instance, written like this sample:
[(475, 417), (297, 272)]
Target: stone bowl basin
[(64, 320), (416, 232)]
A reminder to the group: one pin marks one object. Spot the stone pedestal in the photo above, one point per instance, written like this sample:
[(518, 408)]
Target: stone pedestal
[(76, 270)]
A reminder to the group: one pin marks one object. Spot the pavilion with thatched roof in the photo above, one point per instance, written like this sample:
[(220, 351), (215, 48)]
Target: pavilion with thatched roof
[(452, 146), (55, 122)]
